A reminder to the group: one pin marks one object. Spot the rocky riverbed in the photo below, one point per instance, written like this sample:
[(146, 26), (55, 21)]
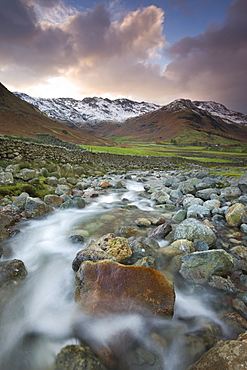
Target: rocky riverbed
[(126, 270)]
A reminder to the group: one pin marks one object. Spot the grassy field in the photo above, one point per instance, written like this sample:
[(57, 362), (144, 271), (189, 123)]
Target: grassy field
[(201, 153)]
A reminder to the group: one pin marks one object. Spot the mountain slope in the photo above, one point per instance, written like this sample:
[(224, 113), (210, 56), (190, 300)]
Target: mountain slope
[(95, 110), (19, 118), (179, 119), (219, 110), (89, 110)]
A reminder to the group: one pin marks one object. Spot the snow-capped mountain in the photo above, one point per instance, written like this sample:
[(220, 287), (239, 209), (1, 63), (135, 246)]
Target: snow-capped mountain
[(89, 110), (95, 110), (219, 110)]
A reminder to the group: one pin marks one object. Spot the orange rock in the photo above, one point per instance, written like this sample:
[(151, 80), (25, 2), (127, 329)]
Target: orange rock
[(106, 287), (105, 184)]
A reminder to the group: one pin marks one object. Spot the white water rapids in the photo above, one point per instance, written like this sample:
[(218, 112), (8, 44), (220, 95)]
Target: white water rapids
[(40, 318)]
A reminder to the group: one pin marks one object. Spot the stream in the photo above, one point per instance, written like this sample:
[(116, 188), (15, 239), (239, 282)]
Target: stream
[(39, 319)]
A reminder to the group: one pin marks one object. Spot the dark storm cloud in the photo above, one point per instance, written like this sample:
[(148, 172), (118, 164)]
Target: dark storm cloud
[(17, 20), (85, 43), (213, 64), (49, 3)]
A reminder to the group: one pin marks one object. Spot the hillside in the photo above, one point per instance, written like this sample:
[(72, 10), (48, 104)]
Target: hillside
[(181, 120), (89, 110), (19, 118)]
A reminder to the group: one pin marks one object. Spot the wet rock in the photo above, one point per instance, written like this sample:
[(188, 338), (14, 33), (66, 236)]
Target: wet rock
[(106, 287), (179, 247), (179, 216), (160, 197), (53, 200), (52, 180), (108, 246), (142, 247), (11, 271), (227, 355), (212, 204), (128, 231), (200, 211), (230, 192), (223, 284), (26, 174), (243, 199), (146, 262), (143, 222), (198, 267), (243, 228), (206, 194), (202, 245), (191, 200), (175, 194), (6, 178), (234, 214), (105, 184), (235, 323), (77, 239), (242, 183), (76, 202), (4, 234), (188, 186), (35, 207), (75, 357), (6, 220), (20, 201), (195, 231), (160, 232), (63, 190), (240, 307)]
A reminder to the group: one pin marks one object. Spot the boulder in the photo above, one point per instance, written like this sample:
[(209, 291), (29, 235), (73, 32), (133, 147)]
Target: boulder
[(63, 190), (160, 232), (75, 357), (195, 231), (109, 246), (6, 220), (20, 201), (160, 197), (53, 200), (142, 247), (105, 184), (4, 234), (6, 178), (191, 200), (11, 271), (26, 174), (242, 183), (198, 267), (200, 211), (75, 202), (35, 207), (230, 192), (234, 214), (206, 194), (179, 247), (228, 355), (106, 287), (188, 186)]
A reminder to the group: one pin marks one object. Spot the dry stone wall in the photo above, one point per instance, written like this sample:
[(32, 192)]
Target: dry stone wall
[(17, 149)]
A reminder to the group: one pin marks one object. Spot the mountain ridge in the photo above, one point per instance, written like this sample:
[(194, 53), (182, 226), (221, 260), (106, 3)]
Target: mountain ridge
[(97, 109)]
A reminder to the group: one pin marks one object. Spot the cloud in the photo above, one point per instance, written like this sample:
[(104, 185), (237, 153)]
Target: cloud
[(212, 65), (87, 44), (121, 56)]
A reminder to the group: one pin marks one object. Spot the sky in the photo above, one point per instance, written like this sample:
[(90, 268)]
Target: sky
[(155, 51)]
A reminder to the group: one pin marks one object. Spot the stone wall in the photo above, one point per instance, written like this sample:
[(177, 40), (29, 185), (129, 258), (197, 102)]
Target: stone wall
[(14, 149)]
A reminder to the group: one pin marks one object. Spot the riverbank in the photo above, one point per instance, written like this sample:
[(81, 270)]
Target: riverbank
[(188, 224)]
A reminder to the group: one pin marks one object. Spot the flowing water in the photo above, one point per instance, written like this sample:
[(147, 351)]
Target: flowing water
[(41, 316)]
